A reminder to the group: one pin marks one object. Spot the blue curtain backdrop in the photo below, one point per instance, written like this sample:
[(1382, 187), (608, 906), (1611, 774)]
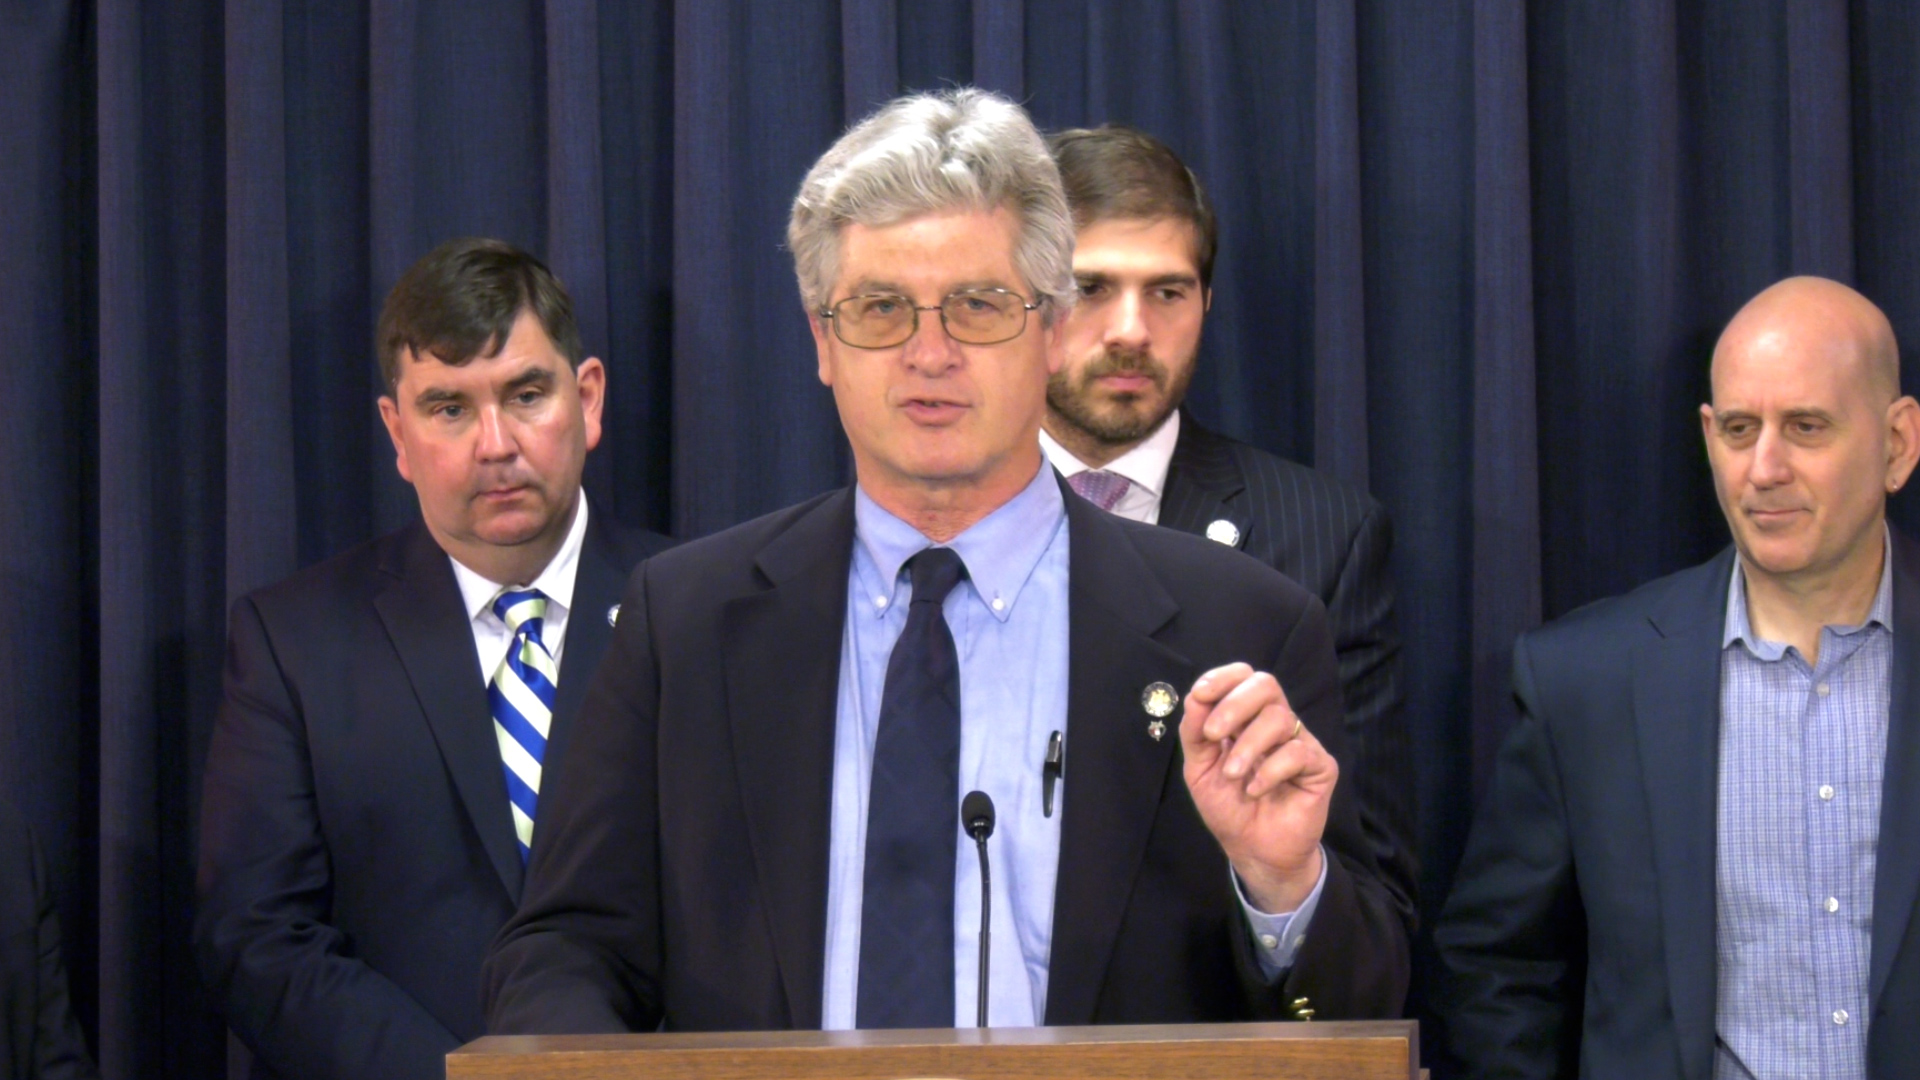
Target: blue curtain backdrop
[(1474, 256)]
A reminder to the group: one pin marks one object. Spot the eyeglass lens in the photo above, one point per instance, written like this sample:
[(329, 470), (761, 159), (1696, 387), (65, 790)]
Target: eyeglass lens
[(976, 316)]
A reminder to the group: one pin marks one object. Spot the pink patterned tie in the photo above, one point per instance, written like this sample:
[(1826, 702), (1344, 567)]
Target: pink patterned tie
[(1099, 487)]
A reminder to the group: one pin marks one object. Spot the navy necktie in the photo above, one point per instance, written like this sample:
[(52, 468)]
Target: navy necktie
[(913, 816)]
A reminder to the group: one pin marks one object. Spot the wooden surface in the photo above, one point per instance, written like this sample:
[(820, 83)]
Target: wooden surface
[(1383, 1050)]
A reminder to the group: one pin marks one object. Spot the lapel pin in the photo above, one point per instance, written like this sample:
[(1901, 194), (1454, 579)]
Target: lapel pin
[(1224, 532), (1158, 699), (613, 615)]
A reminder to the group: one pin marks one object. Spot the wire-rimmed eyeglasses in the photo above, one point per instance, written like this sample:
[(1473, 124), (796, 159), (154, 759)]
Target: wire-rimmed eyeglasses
[(971, 316)]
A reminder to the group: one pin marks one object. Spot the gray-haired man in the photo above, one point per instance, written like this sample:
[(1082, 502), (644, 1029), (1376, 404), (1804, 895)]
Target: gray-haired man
[(761, 827)]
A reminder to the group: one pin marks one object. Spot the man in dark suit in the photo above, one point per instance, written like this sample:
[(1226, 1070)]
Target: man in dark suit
[(39, 1038), (1116, 428), (759, 826), (375, 772), (1700, 855)]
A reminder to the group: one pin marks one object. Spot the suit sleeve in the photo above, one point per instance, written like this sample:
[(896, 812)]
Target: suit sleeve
[(56, 1050), (1512, 937), (582, 953), (286, 979), (1354, 964), (1368, 645)]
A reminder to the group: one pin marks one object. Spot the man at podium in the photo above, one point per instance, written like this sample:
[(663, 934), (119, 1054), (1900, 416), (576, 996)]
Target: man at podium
[(759, 824)]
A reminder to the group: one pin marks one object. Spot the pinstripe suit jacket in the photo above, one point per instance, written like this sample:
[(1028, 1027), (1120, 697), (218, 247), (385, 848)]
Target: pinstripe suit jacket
[(1334, 540)]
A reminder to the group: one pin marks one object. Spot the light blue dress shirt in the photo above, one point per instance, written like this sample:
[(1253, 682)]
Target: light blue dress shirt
[(1009, 623), (1802, 751)]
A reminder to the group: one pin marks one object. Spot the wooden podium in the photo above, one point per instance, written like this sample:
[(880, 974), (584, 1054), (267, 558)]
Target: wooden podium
[(1377, 1050)]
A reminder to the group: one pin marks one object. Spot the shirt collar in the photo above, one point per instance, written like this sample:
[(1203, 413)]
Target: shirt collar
[(1144, 466), (1000, 550), (1740, 629), (556, 581)]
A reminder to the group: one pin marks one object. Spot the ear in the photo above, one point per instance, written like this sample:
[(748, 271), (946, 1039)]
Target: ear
[(1206, 299), (1903, 441), (390, 416), (822, 346), (590, 382)]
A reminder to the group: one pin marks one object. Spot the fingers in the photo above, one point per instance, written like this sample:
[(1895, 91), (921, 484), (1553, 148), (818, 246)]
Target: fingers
[(1270, 731), (1300, 761), (1233, 697), (1216, 684)]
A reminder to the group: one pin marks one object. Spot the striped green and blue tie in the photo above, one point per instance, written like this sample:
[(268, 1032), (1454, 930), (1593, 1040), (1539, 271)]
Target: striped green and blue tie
[(521, 696)]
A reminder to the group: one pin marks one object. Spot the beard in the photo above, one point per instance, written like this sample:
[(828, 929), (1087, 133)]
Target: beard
[(1118, 419)]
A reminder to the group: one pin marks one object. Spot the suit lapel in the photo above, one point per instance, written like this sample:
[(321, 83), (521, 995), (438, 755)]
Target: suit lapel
[(428, 625), (597, 585), (782, 665), (1202, 482), (1676, 706), (1896, 879), (1116, 772)]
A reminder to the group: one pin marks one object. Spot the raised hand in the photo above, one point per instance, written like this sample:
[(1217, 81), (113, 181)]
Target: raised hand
[(1261, 781)]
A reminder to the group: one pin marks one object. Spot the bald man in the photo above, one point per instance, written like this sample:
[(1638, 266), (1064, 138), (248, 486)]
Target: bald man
[(1700, 856)]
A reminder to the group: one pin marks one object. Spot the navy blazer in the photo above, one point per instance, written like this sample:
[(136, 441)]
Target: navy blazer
[(357, 852), (39, 1038), (1334, 540), (1579, 939), (683, 876)]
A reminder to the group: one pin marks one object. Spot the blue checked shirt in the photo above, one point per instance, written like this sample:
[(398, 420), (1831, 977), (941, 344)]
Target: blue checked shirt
[(1802, 751)]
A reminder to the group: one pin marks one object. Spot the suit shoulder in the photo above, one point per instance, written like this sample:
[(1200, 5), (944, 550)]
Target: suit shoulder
[(332, 584), (1273, 473), (1694, 592), (737, 546), (1227, 573)]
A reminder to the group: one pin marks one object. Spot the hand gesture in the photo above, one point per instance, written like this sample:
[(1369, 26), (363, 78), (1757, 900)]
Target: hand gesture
[(1261, 781)]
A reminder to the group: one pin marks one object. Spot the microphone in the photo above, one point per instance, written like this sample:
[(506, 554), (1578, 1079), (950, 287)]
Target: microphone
[(976, 816)]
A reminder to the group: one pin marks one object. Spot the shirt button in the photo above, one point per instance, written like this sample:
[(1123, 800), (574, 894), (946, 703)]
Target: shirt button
[(1826, 792), (999, 604), (1268, 941), (1832, 905), (1840, 1016), (879, 601), (1822, 689)]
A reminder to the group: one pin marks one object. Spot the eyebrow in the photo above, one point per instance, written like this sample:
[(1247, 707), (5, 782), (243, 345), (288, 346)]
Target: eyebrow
[(1100, 277), (1726, 416), (535, 376), (434, 395), (868, 287), (889, 288)]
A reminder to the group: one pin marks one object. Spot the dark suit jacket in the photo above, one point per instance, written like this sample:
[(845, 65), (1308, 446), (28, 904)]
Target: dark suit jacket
[(1334, 540), (1580, 934), (357, 852), (39, 1038), (684, 876)]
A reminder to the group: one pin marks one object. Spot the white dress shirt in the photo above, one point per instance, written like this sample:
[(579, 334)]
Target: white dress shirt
[(1144, 466), (491, 640)]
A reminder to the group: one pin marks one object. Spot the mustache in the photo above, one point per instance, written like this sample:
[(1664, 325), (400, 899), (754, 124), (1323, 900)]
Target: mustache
[(1122, 361)]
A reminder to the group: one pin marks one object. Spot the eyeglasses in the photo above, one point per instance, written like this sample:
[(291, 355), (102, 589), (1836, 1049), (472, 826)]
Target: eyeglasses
[(972, 316)]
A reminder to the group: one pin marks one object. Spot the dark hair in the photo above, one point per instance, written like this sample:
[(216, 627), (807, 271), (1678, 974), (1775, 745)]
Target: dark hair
[(1120, 172), (461, 300)]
